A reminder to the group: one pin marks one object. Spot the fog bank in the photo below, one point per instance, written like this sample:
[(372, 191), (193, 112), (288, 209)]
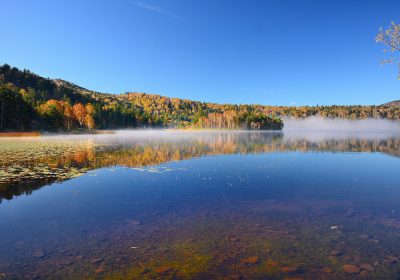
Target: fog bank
[(342, 125)]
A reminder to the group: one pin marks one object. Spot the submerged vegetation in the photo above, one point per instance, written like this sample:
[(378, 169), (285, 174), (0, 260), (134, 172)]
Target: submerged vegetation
[(236, 217)]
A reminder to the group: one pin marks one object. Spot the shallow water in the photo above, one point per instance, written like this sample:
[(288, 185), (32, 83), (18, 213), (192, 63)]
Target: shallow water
[(201, 205)]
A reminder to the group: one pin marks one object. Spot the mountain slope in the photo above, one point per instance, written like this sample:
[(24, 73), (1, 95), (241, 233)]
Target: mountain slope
[(392, 104), (57, 104), (29, 101)]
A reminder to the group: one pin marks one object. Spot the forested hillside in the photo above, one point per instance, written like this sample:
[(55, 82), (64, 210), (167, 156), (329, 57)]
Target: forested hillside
[(395, 103), (30, 102)]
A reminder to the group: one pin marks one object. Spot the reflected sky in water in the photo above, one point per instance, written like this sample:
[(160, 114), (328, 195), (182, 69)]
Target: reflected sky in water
[(197, 205)]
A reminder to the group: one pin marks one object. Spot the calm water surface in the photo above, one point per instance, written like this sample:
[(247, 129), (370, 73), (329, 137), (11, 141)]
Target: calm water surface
[(200, 205)]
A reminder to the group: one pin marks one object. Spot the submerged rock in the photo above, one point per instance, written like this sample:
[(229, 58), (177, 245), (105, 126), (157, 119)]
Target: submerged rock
[(79, 257), (327, 270), (67, 262), (251, 260), (364, 236), (367, 267), (336, 253), (134, 222), (97, 260), (100, 269), (392, 260), (350, 268), (38, 254), (163, 270), (290, 269), (232, 277)]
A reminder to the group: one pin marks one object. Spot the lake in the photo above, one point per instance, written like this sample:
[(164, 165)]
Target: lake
[(201, 205)]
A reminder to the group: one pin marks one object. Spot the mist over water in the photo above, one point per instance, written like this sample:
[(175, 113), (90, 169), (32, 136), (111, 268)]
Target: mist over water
[(314, 129), (320, 123), (319, 128)]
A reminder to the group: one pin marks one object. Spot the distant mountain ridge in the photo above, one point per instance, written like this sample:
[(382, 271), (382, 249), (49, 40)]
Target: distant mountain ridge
[(395, 103)]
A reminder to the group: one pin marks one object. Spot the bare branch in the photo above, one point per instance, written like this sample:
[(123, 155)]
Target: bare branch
[(391, 39)]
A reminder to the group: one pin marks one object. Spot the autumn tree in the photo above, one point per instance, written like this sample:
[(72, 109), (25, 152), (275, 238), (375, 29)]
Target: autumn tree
[(52, 114), (89, 122), (89, 109), (69, 116), (80, 113)]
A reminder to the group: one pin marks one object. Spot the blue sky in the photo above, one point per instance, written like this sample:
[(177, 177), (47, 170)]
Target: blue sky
[(278, 52)]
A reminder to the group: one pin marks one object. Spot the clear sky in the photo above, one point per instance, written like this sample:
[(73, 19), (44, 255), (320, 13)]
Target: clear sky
[(278, 52)]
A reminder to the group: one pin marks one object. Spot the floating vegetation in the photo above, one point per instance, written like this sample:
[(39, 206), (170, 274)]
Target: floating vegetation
[(29, 163)]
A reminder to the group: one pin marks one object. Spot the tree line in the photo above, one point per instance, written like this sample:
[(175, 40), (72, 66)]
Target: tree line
[(28, 101), (18, 114), (31, 102)]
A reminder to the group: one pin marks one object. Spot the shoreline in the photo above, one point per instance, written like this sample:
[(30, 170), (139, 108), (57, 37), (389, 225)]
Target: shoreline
[(46, 133), (108, 131)]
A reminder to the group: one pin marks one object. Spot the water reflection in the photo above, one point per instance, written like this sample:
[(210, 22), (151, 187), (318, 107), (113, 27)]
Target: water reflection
[(26, 165), (250, 205)]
